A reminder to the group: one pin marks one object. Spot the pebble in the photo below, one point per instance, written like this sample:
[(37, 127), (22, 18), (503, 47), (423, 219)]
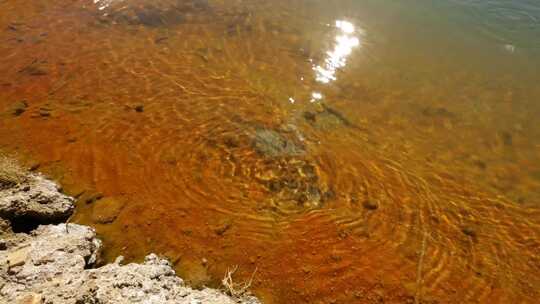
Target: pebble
[(44, 112), (224, 227), (18, 108), (139, 108), (106, 210), (370, 204), (469, 231)]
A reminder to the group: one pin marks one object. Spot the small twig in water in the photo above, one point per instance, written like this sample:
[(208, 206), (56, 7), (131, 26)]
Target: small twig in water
[(233, 289)]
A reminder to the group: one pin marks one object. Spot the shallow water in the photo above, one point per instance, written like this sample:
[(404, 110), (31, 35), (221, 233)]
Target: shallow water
[(344, 151)]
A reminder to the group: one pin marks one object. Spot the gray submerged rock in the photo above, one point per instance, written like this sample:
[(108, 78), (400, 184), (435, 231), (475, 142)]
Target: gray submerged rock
[(270, 143)]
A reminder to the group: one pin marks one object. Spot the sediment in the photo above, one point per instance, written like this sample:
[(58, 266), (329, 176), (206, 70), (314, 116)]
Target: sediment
[(58, 263)]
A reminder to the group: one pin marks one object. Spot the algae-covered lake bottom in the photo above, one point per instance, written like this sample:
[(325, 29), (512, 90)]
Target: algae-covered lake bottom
[(338, 151)]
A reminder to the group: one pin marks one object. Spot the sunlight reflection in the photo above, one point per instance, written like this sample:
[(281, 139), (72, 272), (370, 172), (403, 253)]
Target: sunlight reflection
[(316, 96), (345, 42), (103, 4)]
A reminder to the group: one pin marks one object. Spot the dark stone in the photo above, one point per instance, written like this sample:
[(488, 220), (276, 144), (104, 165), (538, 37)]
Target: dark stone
[(18, 108), (223, 227), (338, 115), (370, 204), (469, 231), (139, 108), (327, 118)]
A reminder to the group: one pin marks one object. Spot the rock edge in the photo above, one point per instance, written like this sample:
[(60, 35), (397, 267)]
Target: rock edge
[(54, 264)]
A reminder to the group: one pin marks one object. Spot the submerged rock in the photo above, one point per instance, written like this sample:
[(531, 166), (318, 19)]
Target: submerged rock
[(293, 183), (223, 227), (271, 143), (18, 108), (106, 210), (139, 108), (469, 231), (286, 171), (370, 204), (326, 118), (152, 13), (281, 166)]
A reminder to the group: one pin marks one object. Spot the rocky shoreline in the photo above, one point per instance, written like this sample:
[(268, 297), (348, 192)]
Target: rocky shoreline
[(45, 260)]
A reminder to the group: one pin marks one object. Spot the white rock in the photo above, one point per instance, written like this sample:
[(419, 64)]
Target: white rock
[(37, 198)]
